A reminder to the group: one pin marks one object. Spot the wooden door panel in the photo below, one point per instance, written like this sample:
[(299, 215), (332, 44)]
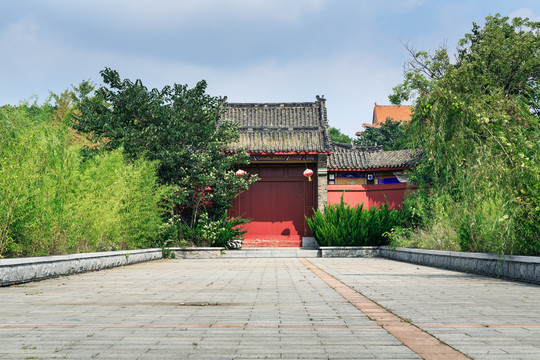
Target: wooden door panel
[(277, 203)]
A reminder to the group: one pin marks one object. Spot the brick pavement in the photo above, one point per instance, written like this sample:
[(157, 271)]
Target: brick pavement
[(271, 308)]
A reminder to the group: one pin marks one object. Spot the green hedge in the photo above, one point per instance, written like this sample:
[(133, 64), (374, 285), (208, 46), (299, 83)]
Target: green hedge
[(343, 225)]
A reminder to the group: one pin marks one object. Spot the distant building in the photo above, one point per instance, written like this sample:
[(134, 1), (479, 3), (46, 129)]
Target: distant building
[(369, 175), (394, 112)]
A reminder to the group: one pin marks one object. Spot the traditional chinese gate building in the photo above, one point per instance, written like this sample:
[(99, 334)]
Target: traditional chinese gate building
[(283, 140)]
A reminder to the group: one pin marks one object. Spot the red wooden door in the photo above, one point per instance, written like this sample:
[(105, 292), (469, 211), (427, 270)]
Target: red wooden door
[(276, 205)]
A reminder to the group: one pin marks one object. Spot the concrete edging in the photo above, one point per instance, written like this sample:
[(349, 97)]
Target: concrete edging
[(22, 270), (221, 252), (349, 251), (520, 268), (197, 253)]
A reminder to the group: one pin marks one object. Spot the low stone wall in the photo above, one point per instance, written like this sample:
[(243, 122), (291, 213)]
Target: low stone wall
[(17, 271), (349, 251), (197, 253), (216, 253), (271, 253), (520, 268)]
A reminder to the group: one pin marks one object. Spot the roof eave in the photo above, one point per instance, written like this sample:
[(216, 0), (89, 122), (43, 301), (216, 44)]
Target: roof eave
[(371, 169), (287, 152)]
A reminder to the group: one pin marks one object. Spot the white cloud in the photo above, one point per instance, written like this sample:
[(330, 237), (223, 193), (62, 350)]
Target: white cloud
[(20, 41), (352, 57), (525, 13), (351, 82), (282, 10), (175, 13), (29, 57), (400, 6), (350, 79)]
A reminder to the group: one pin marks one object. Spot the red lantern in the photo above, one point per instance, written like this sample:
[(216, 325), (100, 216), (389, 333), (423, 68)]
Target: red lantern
[(239, 173), (308, 173)]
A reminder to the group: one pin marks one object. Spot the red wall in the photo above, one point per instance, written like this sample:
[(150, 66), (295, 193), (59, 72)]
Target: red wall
[(370, 195)]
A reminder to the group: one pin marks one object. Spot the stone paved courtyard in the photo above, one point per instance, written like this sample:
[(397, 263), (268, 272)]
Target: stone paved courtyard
[(271, 308)]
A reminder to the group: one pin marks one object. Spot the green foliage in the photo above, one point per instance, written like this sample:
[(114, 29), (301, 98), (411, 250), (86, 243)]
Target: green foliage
[(391, 136), (478, 121), (337, 136), (53, 203), (181, 128), (343, 225), (118, 202), (207, 232), (167, 253)]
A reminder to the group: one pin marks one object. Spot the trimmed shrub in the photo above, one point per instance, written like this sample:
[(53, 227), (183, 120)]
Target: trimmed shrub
[(343, 225)]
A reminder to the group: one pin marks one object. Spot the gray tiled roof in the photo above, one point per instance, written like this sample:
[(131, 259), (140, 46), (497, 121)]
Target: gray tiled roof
[(349, 157), (280, 127)]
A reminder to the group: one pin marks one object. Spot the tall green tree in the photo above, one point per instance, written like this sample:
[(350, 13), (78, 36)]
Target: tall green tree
[(337, 136), (478, 119), (390, 135), (176, 126)]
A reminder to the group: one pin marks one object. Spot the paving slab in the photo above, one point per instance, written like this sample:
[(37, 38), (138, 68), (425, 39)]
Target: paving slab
[(257, 308), (480, 316)]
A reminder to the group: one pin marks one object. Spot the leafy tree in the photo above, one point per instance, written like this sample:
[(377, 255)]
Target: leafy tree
[(64, 106), (337, 136), (65, 110), (478, 119), (391, 135), (178, 127)]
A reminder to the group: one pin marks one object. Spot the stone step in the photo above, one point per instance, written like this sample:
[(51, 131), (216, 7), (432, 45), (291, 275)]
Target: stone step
[(255, 243), (266, 252)]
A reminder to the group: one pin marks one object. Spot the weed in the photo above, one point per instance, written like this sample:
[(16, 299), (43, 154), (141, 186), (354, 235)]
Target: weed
[(406, 320), (168, 253)]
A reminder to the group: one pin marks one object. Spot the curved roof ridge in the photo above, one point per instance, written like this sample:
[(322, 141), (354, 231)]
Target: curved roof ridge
[(302, 126), (270, 104)]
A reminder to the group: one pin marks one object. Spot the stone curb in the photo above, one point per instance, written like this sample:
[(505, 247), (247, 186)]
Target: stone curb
[(349, 251), (197, 253), (220, 252), (21, 270), (520, 268)]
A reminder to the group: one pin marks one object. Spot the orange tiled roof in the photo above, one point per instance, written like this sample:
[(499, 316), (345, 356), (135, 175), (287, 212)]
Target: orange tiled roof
[(396, 112)]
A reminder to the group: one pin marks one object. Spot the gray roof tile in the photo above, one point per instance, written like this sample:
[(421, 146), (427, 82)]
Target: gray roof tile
[(362, 158), (280, 127)]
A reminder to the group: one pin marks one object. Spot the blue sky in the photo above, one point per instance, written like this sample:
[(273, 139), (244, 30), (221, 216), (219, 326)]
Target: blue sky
[(350, 51)]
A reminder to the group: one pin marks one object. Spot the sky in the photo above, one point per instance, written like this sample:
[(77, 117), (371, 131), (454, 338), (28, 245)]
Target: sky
[(350, 51)]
